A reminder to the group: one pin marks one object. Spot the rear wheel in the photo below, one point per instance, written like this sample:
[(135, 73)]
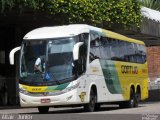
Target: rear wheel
[(130, 103), (137, 98), (90, 107), (43, 109)]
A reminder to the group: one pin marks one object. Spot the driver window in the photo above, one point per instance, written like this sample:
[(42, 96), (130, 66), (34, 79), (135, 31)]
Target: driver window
[(83, 53)]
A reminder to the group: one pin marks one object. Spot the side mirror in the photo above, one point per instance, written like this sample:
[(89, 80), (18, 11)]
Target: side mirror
[(11, 55), (76, 50)]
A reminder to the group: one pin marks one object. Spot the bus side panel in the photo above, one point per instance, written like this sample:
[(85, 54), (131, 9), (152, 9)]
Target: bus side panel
[(103, 74), (95, 76), (133, 74), (112, 80), (111, 76)]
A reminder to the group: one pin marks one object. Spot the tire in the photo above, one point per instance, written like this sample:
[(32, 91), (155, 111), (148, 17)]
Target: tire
[(43, 109), (90, 107), (131, 102), (97, 105), (137, 99)]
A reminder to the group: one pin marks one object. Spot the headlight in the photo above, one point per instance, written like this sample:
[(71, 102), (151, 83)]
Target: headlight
[(22, 90), (65, 90), (70, 88)]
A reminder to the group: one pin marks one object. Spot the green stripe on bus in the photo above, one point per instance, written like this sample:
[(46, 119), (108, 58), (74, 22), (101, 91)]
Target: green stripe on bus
[(58, 87), (111, 76)]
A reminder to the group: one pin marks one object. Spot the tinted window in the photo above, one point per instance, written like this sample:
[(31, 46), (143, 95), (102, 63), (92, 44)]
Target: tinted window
[(106, 48), (115, 50), (118, 50), (94, 46)]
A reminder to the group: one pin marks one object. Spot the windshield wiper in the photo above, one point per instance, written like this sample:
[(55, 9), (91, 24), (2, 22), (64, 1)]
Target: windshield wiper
[(68, 79), (50, 79)]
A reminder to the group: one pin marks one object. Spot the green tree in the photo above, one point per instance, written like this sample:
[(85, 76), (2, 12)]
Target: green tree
[(122, 12)]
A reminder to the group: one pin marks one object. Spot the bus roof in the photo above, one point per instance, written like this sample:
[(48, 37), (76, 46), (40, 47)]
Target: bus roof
[(57, 31), (72, 30)]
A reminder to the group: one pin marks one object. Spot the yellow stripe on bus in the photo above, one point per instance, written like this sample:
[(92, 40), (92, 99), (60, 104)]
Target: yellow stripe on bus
[(111, 34), (37, 89)]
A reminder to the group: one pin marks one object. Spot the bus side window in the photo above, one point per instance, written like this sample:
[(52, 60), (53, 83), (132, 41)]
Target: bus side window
[(103, 48), (141, 54), (115, 55), (122, 50), (129, 52), (92, 52), (94, 47)]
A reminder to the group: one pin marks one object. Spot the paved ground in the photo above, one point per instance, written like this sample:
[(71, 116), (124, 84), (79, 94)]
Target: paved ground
[(145, 111)]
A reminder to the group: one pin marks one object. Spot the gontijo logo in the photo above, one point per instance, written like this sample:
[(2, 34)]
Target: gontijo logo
[(126, 69)]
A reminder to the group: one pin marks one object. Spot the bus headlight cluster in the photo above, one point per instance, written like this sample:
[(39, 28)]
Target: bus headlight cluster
[(71, 88), (65, 90), (21, 90)]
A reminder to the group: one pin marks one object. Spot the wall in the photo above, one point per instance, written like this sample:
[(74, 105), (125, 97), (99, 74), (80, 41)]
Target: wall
[(153, 59), (150, 27)]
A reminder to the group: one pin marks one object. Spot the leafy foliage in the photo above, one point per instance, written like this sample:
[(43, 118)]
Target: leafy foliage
[(153, 4), (123, 12)]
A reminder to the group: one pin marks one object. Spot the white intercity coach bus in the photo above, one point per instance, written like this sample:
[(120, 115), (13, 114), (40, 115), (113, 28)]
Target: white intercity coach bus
[(80, 65)]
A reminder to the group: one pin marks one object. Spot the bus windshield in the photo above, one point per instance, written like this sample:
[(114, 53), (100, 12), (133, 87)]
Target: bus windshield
[(47, 62)]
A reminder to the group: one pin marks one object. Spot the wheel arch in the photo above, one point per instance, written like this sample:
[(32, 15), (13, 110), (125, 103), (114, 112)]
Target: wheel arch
[(132, 87), (138, 89), (94, 87)]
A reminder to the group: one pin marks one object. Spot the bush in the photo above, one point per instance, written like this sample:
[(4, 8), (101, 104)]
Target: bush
[(123, 12)]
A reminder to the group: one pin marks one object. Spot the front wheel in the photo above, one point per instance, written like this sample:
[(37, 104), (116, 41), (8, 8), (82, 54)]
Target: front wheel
[(43, 109), (90, 107)]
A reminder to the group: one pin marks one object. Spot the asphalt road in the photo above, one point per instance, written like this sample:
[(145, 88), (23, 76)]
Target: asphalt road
[(145, 111)]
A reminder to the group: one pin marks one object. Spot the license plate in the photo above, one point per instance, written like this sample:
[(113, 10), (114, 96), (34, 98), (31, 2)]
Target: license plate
[(45, 100)]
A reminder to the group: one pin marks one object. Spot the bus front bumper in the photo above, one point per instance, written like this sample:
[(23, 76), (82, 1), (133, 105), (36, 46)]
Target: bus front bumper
[(63, 99)]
